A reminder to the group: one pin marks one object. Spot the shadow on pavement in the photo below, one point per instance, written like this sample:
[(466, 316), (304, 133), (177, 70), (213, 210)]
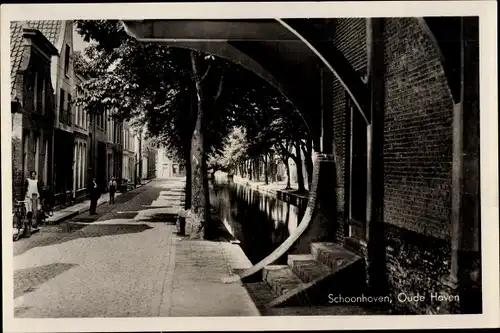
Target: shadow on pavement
[(20, 310), (100, 230), (97, 230), (26, 280), (122, 216), (161, 218)]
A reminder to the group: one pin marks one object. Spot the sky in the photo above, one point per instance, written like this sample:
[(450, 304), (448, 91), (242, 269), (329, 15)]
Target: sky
[(78, 42)]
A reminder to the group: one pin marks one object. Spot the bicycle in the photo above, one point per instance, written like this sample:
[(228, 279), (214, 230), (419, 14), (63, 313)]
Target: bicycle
[(21, 221)]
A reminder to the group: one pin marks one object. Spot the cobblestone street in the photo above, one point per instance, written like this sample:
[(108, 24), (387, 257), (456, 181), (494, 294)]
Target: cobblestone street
[(128, 262)]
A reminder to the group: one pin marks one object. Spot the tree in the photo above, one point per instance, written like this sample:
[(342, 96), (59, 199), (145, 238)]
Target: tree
[(175, 91), (181, 96)]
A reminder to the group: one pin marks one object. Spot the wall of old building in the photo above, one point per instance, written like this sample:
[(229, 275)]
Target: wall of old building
[(32, 122), (417, 154), (64, 143)]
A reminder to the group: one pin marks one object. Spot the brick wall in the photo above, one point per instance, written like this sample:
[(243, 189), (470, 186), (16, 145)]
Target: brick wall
[(418, 132), (417, 165), (27, 125), (418, 111), (349, 37)]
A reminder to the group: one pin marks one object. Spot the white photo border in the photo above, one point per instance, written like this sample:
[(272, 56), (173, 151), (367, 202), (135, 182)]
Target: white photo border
[(486, 10)]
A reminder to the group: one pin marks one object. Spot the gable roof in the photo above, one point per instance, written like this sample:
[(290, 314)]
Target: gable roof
[(16, 52), (49, 28)]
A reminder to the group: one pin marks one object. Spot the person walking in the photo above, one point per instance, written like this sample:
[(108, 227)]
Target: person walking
[(112, 190), (32, 188), (94, 196)]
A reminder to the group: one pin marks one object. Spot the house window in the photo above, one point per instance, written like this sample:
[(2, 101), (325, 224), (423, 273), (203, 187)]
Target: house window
[(42, 93), (81, 116), (70, 113), (46, 162), (37, 153), (66, 60), (39, 93), (62, 115), (35, 93)]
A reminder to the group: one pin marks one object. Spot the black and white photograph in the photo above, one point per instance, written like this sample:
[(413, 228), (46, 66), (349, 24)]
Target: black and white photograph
[(195, 161)]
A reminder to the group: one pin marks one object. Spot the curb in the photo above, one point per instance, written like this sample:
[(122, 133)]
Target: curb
[(74, 213), (86, 209)]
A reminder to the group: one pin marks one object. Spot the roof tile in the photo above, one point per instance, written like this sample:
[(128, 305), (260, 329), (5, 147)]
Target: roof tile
[(16, 52), (49, 28)]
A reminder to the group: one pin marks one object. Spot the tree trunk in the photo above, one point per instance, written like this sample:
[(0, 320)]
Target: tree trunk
[(196, 223), (287, 166), (309, 164), (266, 179), (298, 163), (187, 192)]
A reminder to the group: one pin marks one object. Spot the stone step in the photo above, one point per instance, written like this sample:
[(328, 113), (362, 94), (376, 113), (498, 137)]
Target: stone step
[(281, 279), (333, 255), (309, 278), (307, 268)]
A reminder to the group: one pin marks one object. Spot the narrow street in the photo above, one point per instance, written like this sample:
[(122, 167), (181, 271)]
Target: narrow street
[(128, 262)]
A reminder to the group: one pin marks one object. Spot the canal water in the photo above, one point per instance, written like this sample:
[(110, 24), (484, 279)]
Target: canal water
[(258, 220)]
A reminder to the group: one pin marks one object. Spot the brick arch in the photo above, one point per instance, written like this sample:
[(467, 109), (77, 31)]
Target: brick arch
[(264, 50), (267, 72)]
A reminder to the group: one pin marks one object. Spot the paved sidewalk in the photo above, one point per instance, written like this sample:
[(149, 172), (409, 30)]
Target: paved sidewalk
[(132, 267), (84, 206)]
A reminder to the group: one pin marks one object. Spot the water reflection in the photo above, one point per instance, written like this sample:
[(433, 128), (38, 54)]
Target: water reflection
[(258, 220)]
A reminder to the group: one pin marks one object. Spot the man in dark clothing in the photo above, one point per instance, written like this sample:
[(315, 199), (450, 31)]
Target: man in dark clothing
[(112, 190), (94, 196)]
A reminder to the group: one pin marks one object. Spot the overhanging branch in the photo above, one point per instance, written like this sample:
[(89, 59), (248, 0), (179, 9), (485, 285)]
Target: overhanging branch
[(206, 73)]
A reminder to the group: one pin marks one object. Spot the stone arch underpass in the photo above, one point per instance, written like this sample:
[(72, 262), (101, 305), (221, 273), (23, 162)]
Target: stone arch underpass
[(383, 101)]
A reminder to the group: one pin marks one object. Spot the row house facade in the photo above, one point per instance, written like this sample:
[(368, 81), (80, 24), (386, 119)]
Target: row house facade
[(63, 82), (107, 145), (81, 153), (147, 155), (32, 105), (65, 145), (150, 157), (129, 154), (166, 167), (114, 146)]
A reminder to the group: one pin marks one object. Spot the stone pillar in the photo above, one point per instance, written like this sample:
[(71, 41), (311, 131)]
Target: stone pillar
[(465, 275), (376, 276), (326, 111), (322, 227)]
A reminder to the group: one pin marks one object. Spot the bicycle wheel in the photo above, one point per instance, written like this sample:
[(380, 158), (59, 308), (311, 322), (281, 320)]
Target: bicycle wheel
[(27, 223), (27, 227), (17, 225)]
